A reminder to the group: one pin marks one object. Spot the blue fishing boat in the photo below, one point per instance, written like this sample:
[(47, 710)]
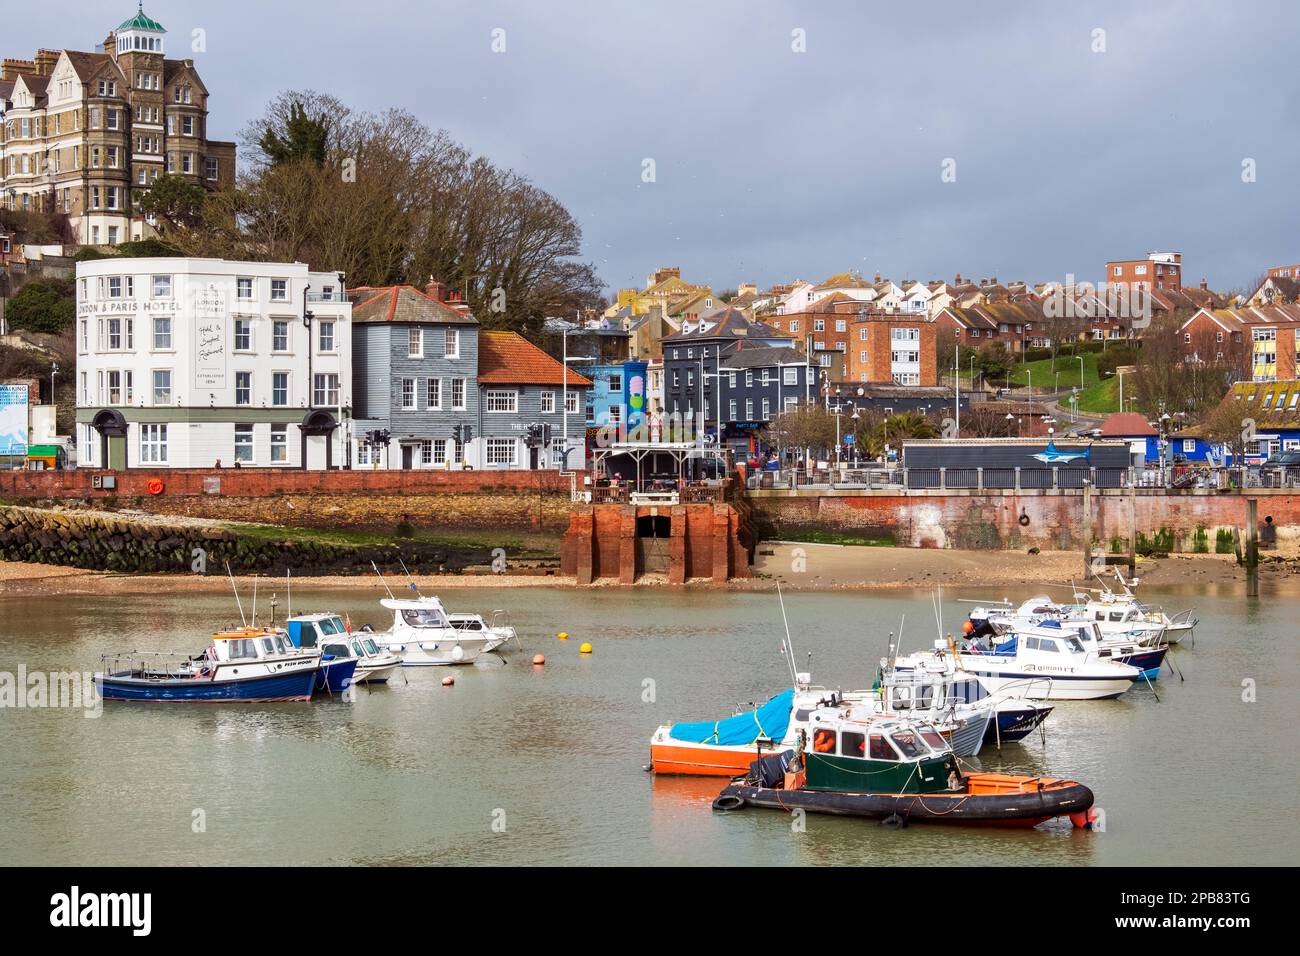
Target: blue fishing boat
[(245, 664)]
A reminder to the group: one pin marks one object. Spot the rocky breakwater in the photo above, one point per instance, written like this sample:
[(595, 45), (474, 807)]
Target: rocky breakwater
[(147, 544)]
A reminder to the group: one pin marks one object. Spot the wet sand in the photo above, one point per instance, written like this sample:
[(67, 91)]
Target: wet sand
[(808, 567)]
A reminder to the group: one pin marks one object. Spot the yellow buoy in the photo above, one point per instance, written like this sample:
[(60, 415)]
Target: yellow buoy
[(448, 681), (585, 649), (539, 659), (563, 635)]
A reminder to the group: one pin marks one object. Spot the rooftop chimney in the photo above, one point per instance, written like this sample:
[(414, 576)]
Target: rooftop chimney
[(1205, 284), (45, 60), (957, 281), (435, 290), (110, 44), (877, 278)]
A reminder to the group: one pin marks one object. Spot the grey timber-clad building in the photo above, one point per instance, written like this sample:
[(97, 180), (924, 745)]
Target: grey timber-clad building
[(415, 367)]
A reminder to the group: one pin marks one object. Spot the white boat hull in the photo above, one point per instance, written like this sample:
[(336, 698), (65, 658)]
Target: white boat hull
[(1043, 685), (375, 674), (436, 652)]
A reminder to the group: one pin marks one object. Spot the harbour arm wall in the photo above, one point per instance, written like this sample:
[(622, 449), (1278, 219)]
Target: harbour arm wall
[(706, 541), (1162, 520), (378, 501)]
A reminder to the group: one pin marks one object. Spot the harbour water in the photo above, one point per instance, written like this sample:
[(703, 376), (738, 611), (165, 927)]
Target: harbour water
[(524, 765)]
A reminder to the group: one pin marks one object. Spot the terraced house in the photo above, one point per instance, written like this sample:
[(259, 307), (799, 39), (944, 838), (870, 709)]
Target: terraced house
[(84, 134), (533, 407)]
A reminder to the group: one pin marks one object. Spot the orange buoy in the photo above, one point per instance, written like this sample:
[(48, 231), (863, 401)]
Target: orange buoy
[(967, 627), (539, 659), (155, 486), (448, 681)]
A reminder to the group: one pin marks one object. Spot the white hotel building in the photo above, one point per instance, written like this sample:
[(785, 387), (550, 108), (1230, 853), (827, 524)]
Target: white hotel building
[(187, 363)]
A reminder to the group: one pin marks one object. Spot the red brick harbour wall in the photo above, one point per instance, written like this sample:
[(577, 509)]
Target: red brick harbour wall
[(993, 520), (356, 500), (705, 541), (539, 500), (258, 482)]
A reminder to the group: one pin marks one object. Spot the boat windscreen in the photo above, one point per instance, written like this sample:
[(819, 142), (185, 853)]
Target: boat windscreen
[(935, 740), (908, 743), (424, 617)]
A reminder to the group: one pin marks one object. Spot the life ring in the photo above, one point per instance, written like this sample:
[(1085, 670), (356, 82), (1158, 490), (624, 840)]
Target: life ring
[(728, 802), (1024, 520), (155, 486)]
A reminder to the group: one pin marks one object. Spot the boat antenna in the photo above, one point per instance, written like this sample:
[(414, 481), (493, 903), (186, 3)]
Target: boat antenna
[(254, 600), (288, 594), (789, 645), (238, 603), (935, 598), (894, 644), (381, 578), (412, 585)]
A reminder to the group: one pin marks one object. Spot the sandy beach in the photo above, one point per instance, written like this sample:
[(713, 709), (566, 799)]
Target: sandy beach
[(812, 567)]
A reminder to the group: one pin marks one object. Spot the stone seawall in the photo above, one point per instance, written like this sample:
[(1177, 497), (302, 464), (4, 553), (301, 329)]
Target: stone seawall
[(97, 541), (1166, 521)]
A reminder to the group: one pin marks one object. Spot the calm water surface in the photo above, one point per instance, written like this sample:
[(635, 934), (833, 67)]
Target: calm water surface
[(416, 773)]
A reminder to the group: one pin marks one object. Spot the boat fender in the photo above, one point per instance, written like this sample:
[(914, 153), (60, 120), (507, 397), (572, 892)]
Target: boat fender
[(728, 802), (894, 820), (1024, 520)]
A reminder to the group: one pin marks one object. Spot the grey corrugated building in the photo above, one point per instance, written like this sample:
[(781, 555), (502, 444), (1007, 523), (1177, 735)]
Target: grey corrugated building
[(1009, 463)]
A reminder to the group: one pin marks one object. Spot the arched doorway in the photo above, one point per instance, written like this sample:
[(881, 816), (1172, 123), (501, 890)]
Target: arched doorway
[(112, 428), (317, 448)]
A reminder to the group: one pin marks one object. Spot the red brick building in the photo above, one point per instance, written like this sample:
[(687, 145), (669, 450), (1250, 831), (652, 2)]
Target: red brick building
[(892, 348), (1159, 270)]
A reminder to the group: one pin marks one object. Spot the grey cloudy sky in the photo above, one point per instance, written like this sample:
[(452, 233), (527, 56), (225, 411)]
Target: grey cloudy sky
[(773, 164)]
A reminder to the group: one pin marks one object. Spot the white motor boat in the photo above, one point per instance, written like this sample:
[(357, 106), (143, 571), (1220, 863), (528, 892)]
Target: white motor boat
[(498, 631), (934, 688), (330, 634), (423, 635), (1027, 656), (1124, 623)]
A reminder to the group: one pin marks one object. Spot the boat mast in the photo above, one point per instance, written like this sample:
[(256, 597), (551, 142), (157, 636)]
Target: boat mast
[(238, 603), (381, 578), (789, 645), (415, 589)]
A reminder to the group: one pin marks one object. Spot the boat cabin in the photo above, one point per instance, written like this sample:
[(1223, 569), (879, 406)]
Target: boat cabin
[(309, 630), (878, 756), (420, 614), (249, 644)]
